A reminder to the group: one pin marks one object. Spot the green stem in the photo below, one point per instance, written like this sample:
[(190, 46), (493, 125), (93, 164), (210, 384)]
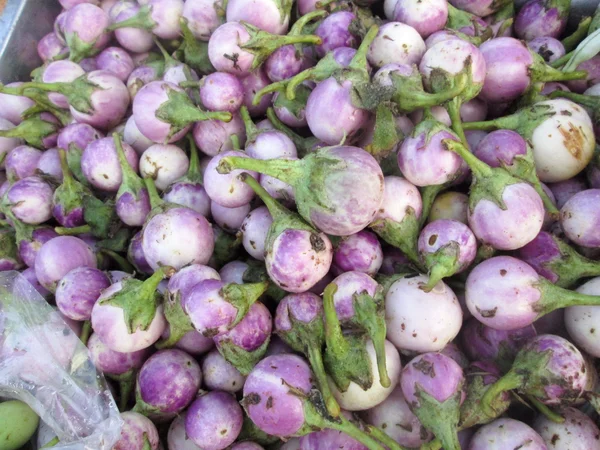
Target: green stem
[(554, 297), (126, 169), (299, 25), (508, 382), (428, 195), (83, 229), (359, 60), (194, 172), (142, 19), (276, 209), (551, 415), (571, 41), (551, 74), (383, 438), (478, 167), (334, 337), (86, 331), (251, 129), (169, 60), (288, 171), (155, 199), (235, 142), (550, 207), (454, 113), (345, 426), (68, 179), (562, 60), (125, 389), (436, 444), (273, 87), (123, 264), (589, 101), (315, 357), (52, 443), (242, 297), (189, 84)]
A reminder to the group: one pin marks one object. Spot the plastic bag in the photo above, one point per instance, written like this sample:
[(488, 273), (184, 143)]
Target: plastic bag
[(44, 364)]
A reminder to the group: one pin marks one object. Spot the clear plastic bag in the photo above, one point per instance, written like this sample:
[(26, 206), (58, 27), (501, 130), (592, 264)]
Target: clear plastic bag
[(44, 364)]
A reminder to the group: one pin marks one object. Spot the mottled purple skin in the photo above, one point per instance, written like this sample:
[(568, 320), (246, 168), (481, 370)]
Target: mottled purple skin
[(329, 439), (169, 381), (136, 429), (51, 266), (592, 66), (426, 17), (139, 77), (508, 63), (500, 147), (133, 210), (177, 237), (564, 190), (109, 103), (50, 46), (116, 61), (29, 275), (359, 252), (6, 143), (100, 164), (252, 331), (335, 31), (227, 189), (504, 434), (252, 84), (31, 200), (177, 438), (229, 219), (436, 374), (190, 195), (534, 20), (145, 106), (78, 291), (540, 252), (88, 64), (214, 136), (277, 411), (113, 363), (13, 106), (578, 432), (394, 416), (214, 420), (443, 232), (203, 17), (221, 91), (178, 73), (166, 14), (88, 23), (424, 161), (283, 63), (61, 72), (513, 227), (134, 137), (264, 14), (108, 321), (303, 307), (135, 40), (399, 195), (350, 284), (547, 47), (188, 277), (294, 119), (347, 119), (21, 162), (233, 272), (271, 144), (209, 311), (480, 342), (254, 229), (502, 293), (580, 218), (77, 134), (220, 375), (294, 263), (228, 39), (452, 351), (28, 249), (192, 342), (474, 110), (135, 254)]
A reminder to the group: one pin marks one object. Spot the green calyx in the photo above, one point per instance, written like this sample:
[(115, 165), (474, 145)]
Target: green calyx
[(100, 218), (262, 44), (143, 19), (297, 105), (308, 338), (21, 230), (458, 19), (179, 322), (257, 273), (441, 418), (141, 407), (251, 129), (488, 182), (242, 360), (441, 264), (179, 111), (70, 193), (553, 297), (402, 235), (74, 162), (33, 131), (139, 300), (250, 432), (193, 51), (40, 97), (9, 249), (345, 358), (132, 183), (386, 134), (242, 297), (227, 248), (539, 71), (571, 266), (471, 411), (79, 49)]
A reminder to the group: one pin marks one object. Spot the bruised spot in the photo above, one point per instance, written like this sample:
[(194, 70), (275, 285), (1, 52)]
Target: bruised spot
[(251, 399), (433, 239), (555, 438), (425, 367), (269, 404), (317, 243), (503, 272), (573, 140), (387, 38), (487, 313)]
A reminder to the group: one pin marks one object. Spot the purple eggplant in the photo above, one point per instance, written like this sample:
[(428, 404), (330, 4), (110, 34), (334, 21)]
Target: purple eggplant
[(203, 17), (21, 162), (78, 291), (578, 218), (539, 18), (137, 433), (85, 30), (29, 200), (425, 17), (177, 438), (578, 432), (161, 17), (450, 205), (502, 434), (220, 375), (255, 230), (358, 252), (215, 136), (581, 321)]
